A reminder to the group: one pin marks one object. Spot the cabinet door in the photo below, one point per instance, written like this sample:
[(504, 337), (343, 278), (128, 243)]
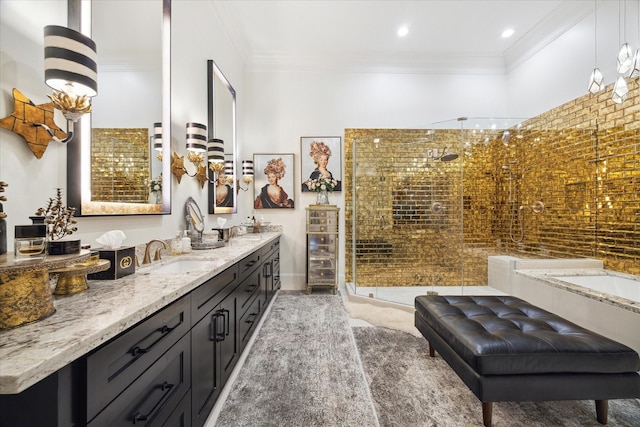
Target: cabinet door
[(205, 386), (228, 335), (214, 355)]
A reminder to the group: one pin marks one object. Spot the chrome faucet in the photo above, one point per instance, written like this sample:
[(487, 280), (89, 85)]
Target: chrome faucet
[(147, 256)]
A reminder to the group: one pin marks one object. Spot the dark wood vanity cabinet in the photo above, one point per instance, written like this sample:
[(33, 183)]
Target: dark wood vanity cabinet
[(169, 369), (213, 340)]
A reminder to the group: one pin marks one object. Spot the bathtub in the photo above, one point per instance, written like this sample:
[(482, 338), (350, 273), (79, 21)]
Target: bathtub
[(581, 291), (607, 284)]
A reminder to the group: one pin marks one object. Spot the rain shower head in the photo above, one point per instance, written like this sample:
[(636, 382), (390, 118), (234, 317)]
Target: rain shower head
[(448, 156)]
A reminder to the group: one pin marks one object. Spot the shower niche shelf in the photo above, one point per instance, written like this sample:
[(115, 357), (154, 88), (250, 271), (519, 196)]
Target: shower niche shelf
[(322, 247)]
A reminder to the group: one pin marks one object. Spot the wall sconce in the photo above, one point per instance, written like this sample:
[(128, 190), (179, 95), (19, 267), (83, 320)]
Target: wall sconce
[(215, 155), (196, 147), (228, 170), (70, 69), (247, 174)]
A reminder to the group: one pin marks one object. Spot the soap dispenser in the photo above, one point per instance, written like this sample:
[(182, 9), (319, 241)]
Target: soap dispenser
[(176, 245), (186, 243)]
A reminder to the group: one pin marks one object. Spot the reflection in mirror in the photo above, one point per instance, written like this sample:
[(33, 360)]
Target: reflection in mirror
[(222, 125), (118, 164), (193, 217)]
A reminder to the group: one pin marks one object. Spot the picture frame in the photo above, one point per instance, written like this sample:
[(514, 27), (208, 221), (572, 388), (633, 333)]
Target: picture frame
[(223, 191), (279, 193), (314, 149)]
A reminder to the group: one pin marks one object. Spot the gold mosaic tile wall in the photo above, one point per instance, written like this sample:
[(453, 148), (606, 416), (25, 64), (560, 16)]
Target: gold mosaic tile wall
[(120, 165), (409, 207), (581, 161)]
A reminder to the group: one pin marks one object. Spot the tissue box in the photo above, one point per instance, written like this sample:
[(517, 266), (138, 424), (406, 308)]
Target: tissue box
[(122, 260)]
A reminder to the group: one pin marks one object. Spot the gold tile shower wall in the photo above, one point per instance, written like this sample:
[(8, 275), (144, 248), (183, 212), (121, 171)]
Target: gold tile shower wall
[(582, 160), (565, 184), (409, 208), (120, 165)]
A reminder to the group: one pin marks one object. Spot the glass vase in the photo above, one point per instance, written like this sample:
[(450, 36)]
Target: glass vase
[(322, 198)]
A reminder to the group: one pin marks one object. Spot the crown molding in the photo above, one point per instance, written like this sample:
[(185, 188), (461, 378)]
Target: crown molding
[(374, 63), (558, 22)]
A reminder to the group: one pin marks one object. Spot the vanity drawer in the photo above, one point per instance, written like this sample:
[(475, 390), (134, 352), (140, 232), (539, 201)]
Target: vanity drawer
[(249, 263), (205, 297), (150, 400), (248, 289), (181, 415), (248, 322), (270, 248), (115, 365)]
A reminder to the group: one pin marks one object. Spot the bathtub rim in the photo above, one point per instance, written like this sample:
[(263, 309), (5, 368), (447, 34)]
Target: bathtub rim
[(551, 277)]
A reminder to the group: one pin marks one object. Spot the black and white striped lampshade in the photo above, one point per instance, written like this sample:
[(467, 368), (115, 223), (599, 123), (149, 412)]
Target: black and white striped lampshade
[(157, 136), (247, 168), (196, 137), (228, 167), (70, 61), (215, 150)]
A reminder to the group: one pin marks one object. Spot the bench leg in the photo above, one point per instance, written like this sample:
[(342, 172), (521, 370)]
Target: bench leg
[(487, 410), (602, 411), (432, 351)]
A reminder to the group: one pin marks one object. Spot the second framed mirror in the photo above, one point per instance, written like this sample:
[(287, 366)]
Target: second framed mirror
[(222, 132)]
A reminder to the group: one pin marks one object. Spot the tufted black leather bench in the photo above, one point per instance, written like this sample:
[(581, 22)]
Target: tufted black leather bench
[(505, 349)]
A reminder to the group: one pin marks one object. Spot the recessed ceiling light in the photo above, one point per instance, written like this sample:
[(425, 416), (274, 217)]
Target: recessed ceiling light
[(403, 31), (507, 33)]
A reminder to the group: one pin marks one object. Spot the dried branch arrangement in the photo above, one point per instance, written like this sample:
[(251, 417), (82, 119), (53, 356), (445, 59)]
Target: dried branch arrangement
[(58, 218)]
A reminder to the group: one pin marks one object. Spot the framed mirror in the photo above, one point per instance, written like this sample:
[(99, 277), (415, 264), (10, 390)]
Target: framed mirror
[(119, 161), (222, 125)]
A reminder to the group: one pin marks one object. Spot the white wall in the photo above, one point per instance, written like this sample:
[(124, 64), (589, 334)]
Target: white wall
[(560, 72)]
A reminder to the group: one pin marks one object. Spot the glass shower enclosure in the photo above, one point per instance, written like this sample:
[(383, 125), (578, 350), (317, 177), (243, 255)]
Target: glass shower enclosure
[(406, 208)]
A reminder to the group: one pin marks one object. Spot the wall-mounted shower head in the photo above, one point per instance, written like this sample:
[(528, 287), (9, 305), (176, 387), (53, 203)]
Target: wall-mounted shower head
[(448, 156)]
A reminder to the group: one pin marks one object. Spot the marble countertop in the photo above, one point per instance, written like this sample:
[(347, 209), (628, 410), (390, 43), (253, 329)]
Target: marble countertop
[(84, 321), (551, 277)]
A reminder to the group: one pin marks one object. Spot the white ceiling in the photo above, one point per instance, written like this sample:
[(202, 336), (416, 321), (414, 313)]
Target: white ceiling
[(444, 36)]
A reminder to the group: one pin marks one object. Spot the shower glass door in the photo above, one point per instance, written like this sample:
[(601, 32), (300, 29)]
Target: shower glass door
[(404, 212), (406, 209)]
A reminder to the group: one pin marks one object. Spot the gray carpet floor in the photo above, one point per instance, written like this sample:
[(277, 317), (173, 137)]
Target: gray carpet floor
[(410, 388), (303, 369), (308, 367)]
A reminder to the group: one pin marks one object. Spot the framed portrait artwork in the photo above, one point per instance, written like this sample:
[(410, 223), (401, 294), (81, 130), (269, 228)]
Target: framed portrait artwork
[(321, 157), (222, 192), (273, 185)]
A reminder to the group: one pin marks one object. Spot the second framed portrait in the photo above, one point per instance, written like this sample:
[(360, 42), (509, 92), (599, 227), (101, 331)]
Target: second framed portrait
[(273, 185), (321, 158)]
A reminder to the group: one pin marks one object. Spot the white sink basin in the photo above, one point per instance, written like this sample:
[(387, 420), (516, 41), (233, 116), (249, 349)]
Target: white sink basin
[(251, 237), (179, 267)]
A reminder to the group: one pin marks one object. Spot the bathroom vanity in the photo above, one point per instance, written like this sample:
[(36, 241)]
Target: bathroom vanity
[(154, 348)]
